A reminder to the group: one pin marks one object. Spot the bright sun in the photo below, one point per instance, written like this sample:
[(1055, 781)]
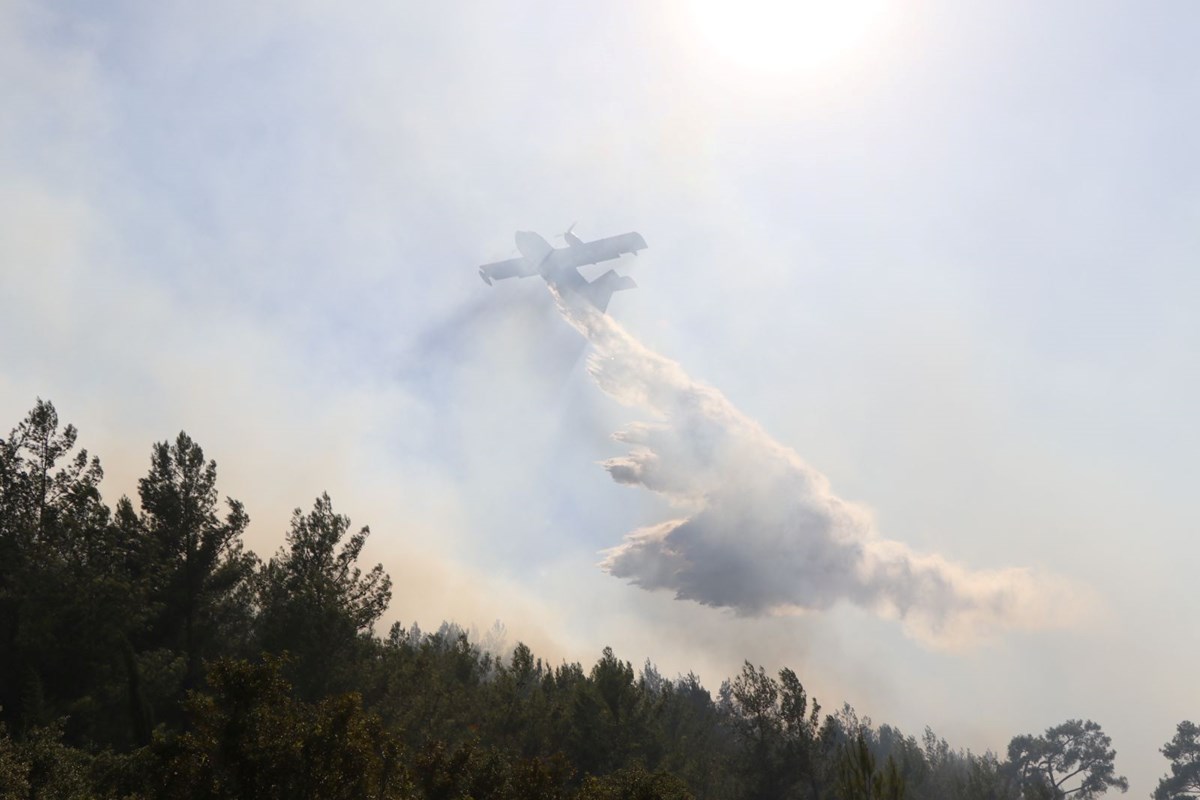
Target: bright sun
[(781, 37)]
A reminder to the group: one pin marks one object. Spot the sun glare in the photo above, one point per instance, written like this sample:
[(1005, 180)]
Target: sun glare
[(778, 37)]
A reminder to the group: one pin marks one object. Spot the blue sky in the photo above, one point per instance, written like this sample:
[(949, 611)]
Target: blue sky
[(950, 266)]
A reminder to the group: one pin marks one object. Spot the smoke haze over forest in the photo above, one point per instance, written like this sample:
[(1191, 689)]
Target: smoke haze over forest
[(917, 321)]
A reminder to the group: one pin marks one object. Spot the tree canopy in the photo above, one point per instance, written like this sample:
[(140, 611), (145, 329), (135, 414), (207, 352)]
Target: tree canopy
[(146, 653)]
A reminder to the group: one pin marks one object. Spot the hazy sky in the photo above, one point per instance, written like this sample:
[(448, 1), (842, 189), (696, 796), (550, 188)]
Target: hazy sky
[(940, 254)]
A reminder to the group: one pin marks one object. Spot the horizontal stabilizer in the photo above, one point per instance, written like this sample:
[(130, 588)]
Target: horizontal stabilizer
[(600, 291)]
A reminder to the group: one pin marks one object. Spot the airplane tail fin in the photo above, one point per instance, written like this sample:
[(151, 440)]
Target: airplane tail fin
[(600, 291), (569, 237)]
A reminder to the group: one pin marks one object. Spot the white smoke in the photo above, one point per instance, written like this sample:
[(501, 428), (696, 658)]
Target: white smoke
[(763, 532)]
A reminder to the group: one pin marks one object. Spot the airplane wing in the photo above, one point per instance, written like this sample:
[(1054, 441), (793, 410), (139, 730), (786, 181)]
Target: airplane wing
[(602, 249), (512, 268)]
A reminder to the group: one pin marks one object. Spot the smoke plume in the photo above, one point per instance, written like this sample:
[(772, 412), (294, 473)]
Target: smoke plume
[(763, 532)]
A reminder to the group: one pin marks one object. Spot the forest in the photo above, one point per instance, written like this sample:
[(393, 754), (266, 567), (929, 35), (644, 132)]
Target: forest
[(145, 652)]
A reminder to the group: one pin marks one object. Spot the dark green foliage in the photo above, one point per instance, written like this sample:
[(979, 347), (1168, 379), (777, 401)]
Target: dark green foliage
[(986, 779), (145, 654), (518, 711), (38, 766), (859, 779), (697, 739), (777, 729), (14, 769), (201, 577), (1073, 758), (1184, 753), (429, 688), (249, 737), (609, 723), (69, 589), (470, 770), (635, 783), (315, 602)]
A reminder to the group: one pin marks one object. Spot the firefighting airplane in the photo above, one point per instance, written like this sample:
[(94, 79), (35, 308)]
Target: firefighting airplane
[(559, 266)]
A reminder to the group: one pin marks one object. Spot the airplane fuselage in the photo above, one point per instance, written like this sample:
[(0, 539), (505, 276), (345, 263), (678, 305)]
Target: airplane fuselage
[(541, 254)]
